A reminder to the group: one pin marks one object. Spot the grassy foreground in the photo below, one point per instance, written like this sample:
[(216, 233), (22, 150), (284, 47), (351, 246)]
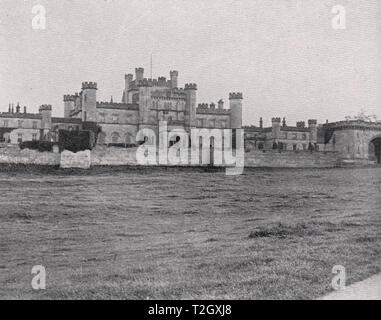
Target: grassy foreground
[(178, 234)]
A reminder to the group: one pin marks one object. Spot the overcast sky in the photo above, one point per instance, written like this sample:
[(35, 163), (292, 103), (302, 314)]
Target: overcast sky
[(283, 55)]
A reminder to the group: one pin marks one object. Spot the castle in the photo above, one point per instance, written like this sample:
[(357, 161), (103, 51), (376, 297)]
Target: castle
[(145, 102)]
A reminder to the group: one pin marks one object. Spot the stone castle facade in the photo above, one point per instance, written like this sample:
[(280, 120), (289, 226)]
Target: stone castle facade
[(146, 102)]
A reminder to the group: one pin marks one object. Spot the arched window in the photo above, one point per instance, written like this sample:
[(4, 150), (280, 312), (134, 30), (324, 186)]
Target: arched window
[(115, 137)]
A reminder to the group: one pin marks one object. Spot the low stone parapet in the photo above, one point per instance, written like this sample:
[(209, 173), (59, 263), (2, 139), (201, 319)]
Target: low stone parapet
[(81, 159)]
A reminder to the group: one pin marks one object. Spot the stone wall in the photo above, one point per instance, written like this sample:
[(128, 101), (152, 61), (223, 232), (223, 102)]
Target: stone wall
[(81, 159), (13, 154), (290, 159), (113, 156), (300, 159)]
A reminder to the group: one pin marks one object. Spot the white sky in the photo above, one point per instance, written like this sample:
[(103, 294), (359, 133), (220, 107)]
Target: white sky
[(282, 54)]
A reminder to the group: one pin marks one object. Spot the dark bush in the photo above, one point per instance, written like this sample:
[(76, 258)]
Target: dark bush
[(37, 145), (75, 141), (121, 145)]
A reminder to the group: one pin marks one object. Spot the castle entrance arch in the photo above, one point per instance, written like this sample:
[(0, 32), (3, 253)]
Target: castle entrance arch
[(375, 149)]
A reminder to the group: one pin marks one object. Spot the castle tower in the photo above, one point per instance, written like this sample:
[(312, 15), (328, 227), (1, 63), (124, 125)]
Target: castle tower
[(220, 104), (312, 125), (174, 75), (275, 128), (45, 111), (139, 74), (235, 101), (190, 105), (89, 101), (144, 102), (127, 80), (69, 104)]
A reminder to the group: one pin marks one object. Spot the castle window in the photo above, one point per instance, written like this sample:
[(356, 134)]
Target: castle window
[(294, 147), (19, 137), (6, 123), (34, 136), (115, 118), (304, 146), (34, 124), (115, 137), (260, 146), (20, 123)]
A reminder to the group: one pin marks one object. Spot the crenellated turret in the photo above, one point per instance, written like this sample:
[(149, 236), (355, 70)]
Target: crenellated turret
[(139, 74), (191, 103), (174, 75), (235, 100), (89, 101), (220, 104), (275, 128), (312, 125), (127, 80), (45, 111), (69, 104)]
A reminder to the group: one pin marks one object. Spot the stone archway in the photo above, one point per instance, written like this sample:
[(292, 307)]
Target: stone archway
[(375, 149)]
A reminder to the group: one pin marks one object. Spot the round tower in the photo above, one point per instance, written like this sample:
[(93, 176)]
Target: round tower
[(139, 74), (127, 80), (191, 103), (174, 75), (45, 111), (144, 101), (312, 125), (89, 101), (275, 128), (235, 101), (69, 104)]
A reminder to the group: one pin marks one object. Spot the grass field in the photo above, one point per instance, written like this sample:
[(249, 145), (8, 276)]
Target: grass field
[(187, 233)]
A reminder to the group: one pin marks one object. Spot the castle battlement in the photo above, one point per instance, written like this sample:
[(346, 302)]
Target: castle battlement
[(190, 86), (235, 95), (69, 97), (89, 85), (45, 107)]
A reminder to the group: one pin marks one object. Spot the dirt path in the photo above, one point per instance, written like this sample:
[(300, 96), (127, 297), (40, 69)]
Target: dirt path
[(369, 289)]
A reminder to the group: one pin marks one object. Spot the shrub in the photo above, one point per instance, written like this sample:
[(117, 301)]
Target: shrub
[(121, 145), (37, 145)]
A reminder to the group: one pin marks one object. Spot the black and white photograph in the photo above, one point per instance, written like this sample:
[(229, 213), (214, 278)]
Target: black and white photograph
[(206, 151)]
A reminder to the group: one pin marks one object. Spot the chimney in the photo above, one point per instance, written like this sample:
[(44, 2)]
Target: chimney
[(18, 108), (284, 122), (9, 108), (261, 122), (13, 110), (24, 109)]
